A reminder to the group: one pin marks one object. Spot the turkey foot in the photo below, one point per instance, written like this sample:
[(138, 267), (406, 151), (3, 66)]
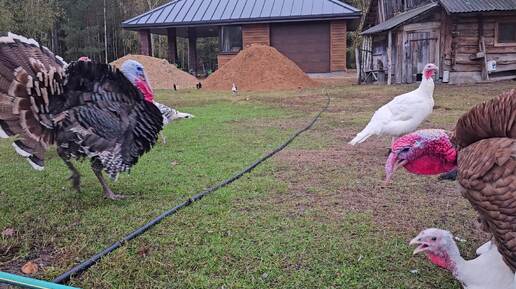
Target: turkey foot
[(75, 177), (107, 191)]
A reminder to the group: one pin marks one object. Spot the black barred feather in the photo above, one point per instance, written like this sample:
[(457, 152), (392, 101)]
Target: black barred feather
[(88, 110)]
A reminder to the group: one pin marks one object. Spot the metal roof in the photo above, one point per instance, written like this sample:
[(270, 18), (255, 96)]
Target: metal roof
[(400, 19), (467, 6), (209, 12)]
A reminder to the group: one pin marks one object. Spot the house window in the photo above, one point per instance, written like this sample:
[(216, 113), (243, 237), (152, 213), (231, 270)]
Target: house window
[(231, 39), (506, 33)]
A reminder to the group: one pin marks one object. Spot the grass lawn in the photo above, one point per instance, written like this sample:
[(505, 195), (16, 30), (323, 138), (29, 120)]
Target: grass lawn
[(315, 216)]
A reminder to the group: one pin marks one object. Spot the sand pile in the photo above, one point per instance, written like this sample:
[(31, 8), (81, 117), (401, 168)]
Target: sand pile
[(162, 74), (257, 68)]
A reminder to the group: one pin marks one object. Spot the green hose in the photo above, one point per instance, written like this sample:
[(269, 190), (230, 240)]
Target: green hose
[(25, 282)]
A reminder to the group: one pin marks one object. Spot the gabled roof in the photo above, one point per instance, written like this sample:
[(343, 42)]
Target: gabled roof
[(467, 6), (210, 12), (400, 19)]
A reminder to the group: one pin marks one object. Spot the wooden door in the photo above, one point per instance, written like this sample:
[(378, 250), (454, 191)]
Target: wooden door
[(421, 46), (305, 43)]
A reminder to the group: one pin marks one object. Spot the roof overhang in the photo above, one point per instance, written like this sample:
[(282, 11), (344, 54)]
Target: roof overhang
[(349, 16), (400, 19)]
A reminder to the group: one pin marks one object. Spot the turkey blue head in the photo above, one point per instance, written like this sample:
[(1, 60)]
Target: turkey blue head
[(424, 152), (135, 72)]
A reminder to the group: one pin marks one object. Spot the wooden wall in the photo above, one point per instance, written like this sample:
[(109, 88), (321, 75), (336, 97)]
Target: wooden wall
[(256, 34), (461, 45), (225, 58), (338, 45)]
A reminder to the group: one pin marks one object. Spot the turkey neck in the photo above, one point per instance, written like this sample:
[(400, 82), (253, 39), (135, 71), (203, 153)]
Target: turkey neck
[(427, 86), (456, 262)]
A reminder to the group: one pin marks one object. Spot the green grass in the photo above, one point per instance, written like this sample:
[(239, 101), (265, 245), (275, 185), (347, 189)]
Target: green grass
[(265, 230)]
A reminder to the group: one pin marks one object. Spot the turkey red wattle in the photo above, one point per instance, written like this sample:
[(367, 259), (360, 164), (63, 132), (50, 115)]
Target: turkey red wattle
[(442, 260), (145, 89), (429, 70), (429, 165), (424, 152)]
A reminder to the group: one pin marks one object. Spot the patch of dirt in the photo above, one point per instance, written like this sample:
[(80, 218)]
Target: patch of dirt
[(162, 74), (337, 180), (43, 257), (259, 68)]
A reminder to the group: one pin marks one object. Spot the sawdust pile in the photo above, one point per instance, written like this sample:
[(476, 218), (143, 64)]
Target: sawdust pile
[(162, 74), (259, 68)]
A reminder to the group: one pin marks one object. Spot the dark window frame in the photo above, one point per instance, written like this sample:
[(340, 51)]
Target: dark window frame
[(497, 33), (223, 31)]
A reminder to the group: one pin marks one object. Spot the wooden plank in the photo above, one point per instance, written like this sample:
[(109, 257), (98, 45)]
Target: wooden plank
[(421, 27), (389, 59), (338, 45), (225, 58), (256, 34)]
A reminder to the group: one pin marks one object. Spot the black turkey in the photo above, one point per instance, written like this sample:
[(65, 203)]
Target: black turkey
[(87, 109)]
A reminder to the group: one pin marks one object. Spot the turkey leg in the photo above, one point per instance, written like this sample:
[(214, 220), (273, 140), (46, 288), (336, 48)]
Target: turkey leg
[(107, 191), (75, 177), (163, 138)]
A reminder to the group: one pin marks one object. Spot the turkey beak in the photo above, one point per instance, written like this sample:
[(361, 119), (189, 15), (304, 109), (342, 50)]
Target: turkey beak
[(421, 246), (392, 165)]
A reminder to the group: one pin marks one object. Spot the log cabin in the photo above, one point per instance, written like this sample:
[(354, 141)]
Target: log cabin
[(312, 33), (470, 40)]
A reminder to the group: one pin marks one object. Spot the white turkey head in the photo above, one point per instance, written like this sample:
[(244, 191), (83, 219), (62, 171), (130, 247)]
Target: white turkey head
[(135, 72), (429, 70), (439, 246)]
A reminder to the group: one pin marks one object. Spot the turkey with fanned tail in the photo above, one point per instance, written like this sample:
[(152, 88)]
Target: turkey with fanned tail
[(88, 110)]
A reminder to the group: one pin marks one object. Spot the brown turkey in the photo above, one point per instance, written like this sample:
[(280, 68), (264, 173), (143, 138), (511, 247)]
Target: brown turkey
[(87, 109), (483, 150)]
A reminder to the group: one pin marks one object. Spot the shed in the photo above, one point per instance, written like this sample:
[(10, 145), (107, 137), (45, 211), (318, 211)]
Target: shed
[(312, 33), (470, 40)]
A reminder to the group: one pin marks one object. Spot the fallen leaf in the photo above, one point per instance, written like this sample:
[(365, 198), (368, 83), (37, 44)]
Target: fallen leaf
[(30, 268), (9, 232)]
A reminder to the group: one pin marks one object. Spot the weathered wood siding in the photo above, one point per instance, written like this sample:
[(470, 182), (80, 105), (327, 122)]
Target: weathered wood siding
[(338, 42), (256, 34), (225, 58), (462, 43)]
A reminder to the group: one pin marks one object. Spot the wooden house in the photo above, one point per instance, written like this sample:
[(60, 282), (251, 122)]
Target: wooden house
[(470, 40), (312, 33)]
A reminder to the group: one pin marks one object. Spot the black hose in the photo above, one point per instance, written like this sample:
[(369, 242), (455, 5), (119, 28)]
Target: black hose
[(85, 265)]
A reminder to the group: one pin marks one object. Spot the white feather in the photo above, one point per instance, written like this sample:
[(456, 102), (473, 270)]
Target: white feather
[(20, 151), (401, 115), (487, 271)]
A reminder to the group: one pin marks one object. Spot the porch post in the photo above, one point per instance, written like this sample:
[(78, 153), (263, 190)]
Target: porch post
[(192, 50), (389, 59), (145, 42), (172, 45)]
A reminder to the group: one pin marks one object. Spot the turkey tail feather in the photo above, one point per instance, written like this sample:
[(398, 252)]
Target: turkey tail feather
[(31, 78), (360, 138)]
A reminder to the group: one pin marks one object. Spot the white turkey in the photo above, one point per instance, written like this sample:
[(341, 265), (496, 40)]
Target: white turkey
[(234, 89), (487, 271), (404, 113), (87, 109)]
